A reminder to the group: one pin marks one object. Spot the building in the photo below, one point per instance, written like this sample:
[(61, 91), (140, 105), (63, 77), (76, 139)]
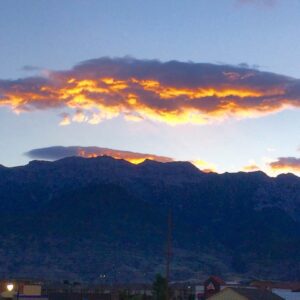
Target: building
[(21, 289), (212, 285), (235, 293), (77, 291), (286, 290), (264, 284)]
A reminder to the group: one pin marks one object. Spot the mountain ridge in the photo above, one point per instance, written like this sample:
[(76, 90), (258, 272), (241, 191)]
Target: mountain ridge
[(76, 217)]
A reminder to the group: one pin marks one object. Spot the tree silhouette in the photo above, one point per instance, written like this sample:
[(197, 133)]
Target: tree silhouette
[(159, 288)]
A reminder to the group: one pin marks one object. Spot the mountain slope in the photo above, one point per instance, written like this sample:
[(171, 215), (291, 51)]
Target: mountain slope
[(78, 218)]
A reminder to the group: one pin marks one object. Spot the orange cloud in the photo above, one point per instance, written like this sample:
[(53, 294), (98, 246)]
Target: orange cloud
[(204, 166), (133, 157), (171, 92), (286, 165), (251, 168), (281, 165), (58, 152)]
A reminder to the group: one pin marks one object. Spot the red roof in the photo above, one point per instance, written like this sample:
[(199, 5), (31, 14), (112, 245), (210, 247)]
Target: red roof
[(215, 279)]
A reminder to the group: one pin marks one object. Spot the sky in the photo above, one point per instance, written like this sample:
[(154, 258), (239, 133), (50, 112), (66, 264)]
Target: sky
[(208, 81)]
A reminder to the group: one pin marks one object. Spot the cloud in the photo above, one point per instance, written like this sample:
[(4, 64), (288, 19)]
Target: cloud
[(251, 168), (29, 68), (65, 119), (286, 164), (204, 166), (171, 92), (58, 152), (272, 168)]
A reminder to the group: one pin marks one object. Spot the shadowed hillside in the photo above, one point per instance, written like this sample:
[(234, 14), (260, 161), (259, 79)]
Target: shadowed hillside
[(77, 218)]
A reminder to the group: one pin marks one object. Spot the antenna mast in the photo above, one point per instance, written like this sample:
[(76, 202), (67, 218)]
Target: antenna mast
[(169, 253)]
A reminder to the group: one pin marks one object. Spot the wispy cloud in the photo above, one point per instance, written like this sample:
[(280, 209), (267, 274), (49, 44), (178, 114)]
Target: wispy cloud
[(29, 68), (171, 92)]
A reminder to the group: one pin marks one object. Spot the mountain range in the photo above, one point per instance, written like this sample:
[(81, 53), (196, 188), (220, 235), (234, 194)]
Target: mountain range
[(104, 220)]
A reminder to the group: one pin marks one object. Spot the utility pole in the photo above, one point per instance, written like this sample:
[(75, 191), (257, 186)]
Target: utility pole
[(169, 253), (114, 293)]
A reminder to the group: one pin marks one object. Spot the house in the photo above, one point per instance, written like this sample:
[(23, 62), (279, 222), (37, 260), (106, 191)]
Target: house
[(235, 293), (21, 289), (212, 286), (275, 285), (287, 290)]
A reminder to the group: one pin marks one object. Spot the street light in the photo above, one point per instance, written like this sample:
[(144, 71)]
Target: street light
[(10, 287)]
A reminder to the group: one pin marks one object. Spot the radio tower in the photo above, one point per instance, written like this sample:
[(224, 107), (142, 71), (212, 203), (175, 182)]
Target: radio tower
[(169, 253)]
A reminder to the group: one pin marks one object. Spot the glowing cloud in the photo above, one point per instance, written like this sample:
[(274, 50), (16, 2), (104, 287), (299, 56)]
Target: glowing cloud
[(58, 152), (251, 168), (285, 165), (272, 168), (171, 92), (204, 166)]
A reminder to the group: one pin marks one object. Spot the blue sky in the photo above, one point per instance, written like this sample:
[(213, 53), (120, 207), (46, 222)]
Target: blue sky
[(56, 35)]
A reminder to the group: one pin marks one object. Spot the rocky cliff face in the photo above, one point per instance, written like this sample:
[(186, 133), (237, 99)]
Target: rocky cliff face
[(77, 218)]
